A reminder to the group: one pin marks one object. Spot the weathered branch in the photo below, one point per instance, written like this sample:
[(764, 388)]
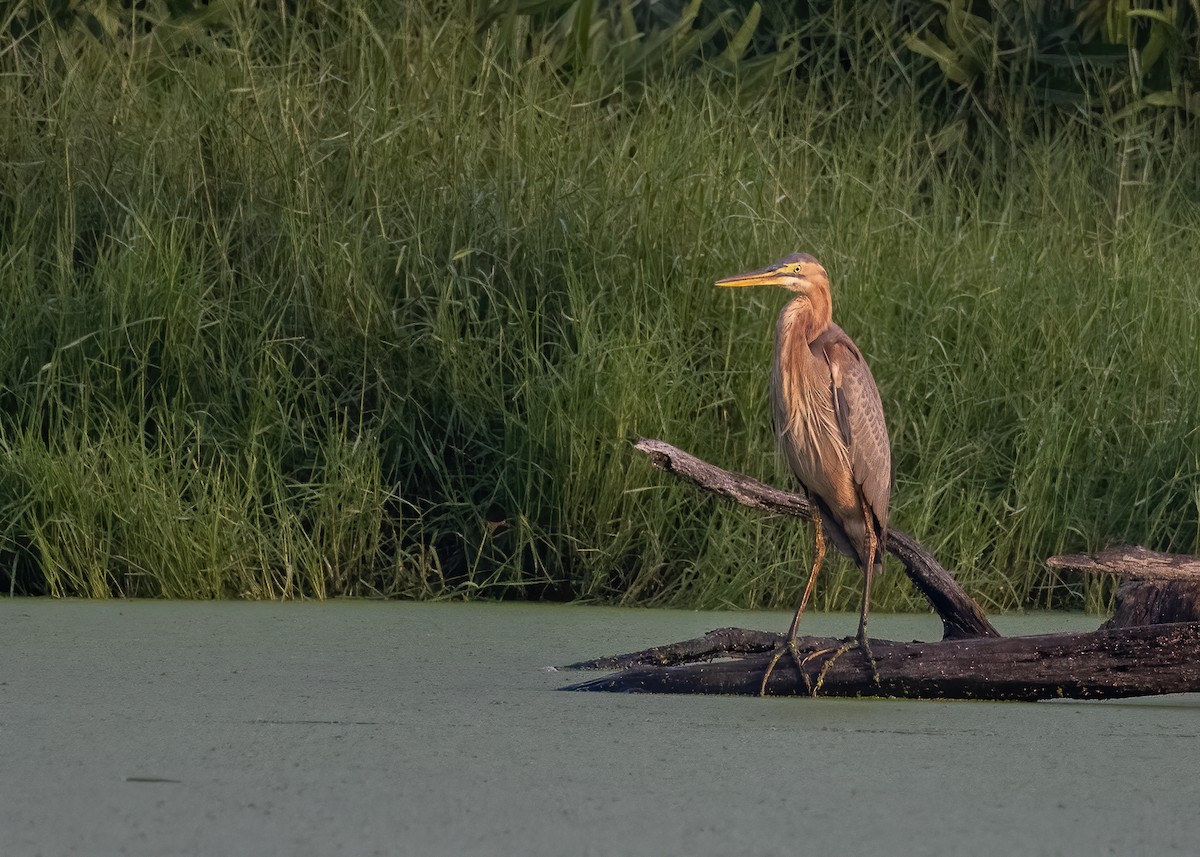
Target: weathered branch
[(721, 642), (1107, 664), (1132, 563), (961, 616)]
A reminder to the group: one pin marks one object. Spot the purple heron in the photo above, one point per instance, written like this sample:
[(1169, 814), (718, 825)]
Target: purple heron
[(829, 424)]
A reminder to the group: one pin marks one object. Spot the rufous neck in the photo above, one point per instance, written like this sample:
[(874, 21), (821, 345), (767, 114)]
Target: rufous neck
[(809, 315)]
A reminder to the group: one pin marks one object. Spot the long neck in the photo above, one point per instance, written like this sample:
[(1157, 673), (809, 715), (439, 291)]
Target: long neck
[(800, 323), (806, 316)]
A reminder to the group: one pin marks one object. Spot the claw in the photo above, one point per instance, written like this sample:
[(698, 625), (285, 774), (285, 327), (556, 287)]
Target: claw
[(791, 648), (851, 643), (762, 690)]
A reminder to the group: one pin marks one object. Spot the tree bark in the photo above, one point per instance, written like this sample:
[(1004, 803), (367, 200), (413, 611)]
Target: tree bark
[(971, 662), (1150, 602)]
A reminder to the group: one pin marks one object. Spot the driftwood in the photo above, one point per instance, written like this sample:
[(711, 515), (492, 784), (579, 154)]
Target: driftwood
[(1098, 665), (971, 662)]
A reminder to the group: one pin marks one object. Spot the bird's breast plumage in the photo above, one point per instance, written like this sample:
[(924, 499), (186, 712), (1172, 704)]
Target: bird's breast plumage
[(805, 420), (829, 425)]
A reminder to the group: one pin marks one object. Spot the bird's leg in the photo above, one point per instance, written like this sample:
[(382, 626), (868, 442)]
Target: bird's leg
[(790, 643), (860, 640), (873, 544), (818, 559)]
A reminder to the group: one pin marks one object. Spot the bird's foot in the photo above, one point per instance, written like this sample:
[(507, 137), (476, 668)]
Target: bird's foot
[(790, 648), (860, 643)]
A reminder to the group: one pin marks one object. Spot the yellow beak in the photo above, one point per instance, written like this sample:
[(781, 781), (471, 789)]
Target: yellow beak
[(762, 277)]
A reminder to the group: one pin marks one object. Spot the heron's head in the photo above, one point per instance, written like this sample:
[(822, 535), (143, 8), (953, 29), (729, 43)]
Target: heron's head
[(799, 273)]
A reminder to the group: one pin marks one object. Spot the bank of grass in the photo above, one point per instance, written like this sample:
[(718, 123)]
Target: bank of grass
[(373, 309)]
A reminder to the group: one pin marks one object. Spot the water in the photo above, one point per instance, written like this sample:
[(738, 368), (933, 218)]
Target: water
[(151, 728)]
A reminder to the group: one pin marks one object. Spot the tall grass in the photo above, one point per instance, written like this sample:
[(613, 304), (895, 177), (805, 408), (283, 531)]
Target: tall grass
[(362, 305)]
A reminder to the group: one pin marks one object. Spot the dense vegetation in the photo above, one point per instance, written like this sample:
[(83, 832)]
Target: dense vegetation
[(323, 300)]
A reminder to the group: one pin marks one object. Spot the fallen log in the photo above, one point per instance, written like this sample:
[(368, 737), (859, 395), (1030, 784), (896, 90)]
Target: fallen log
[(1153, 659), (971, 662)]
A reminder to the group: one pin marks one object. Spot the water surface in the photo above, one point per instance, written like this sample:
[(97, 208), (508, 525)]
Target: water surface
[(151, 728)]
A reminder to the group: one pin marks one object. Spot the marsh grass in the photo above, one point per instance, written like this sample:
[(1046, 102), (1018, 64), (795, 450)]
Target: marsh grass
[(368, 308)]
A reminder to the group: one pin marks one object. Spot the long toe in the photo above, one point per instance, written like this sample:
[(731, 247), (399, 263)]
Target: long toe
[(870, 656), (791, 648)]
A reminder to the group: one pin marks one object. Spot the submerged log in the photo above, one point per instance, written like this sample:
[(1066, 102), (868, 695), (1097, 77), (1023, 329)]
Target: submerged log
[(1125, 662), (971, 662)]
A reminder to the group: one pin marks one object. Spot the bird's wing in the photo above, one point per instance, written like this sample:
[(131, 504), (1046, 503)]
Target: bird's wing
[(860, 418)]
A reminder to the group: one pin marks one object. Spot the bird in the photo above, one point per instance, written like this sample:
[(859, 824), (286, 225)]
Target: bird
[(829, 424)]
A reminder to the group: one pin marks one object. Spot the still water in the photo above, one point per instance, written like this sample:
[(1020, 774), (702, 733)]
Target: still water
[(151, 728)]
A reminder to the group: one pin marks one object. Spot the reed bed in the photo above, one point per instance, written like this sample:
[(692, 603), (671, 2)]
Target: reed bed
[(372, 308)]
